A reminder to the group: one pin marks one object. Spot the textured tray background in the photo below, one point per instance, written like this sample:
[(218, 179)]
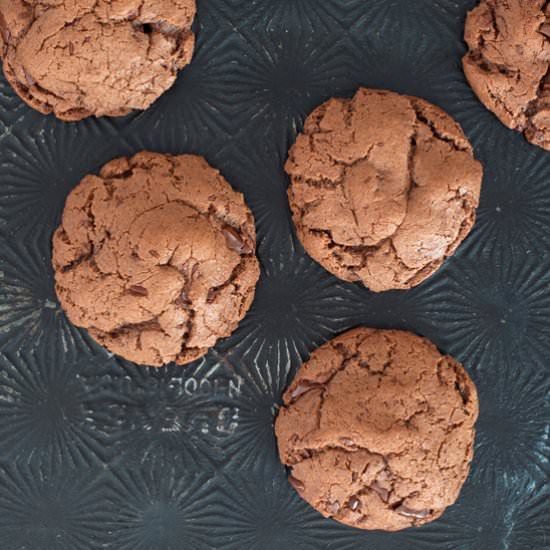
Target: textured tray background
[(98, 453)]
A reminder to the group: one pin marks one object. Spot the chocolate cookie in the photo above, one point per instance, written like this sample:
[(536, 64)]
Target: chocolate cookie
[(378, 429), (383, 188), (508, 63), (155, 257), (81, 58)]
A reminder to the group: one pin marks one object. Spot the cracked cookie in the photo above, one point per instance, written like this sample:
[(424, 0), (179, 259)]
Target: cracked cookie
[(508, 63), (383, 188), (84, 58), (156, 257), (377, 429)]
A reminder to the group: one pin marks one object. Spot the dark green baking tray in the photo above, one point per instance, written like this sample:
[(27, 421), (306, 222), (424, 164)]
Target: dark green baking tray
[(99, 453)]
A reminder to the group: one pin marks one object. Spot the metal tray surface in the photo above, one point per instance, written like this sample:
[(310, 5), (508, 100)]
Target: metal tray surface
[(96, 452)]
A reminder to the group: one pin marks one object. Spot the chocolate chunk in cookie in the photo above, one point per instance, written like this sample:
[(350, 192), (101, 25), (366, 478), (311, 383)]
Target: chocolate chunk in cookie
[(384, 187), (377, 429), (84, 58), (143, 261), (508, 63)]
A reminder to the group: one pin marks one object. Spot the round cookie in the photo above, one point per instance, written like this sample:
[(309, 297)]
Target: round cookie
[(156, 257), (80, 58), (508, 63), (377, 429), (383, 188)]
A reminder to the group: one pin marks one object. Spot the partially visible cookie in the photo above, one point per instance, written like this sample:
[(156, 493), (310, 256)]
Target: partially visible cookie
[(508, 63), (384, 187), (156, 257), (81, 58), (378, 429)]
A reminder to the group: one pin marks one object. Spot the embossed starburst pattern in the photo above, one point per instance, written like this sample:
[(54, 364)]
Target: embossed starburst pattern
[(12, 108), (180, 415), (331, 16), (513, 509), (262, 385), (513, 431), (290, 312), (43, 507), (514, 211), (256, 172), (41, 166), (47, 413), (455, 96), (280, 77), (199, 107), (298, 305), (416, 17), (261, 510), (99, 453), (160, 506), (481, 309), (29, 310), (411, 66)]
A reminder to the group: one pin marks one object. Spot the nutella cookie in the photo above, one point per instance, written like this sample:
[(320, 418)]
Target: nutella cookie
[(508, 63), (156, 257), (81, 58), (378, 429), (383, 188)]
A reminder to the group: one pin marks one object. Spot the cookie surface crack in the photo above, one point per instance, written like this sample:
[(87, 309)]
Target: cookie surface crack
[(377, 429), (365, 218), (156, 257)]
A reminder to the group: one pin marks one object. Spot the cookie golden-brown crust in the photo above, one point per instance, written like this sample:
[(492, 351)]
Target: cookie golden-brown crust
[(84, 58), (378, 429), (383, 188), (508, 63), (156, 257)]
